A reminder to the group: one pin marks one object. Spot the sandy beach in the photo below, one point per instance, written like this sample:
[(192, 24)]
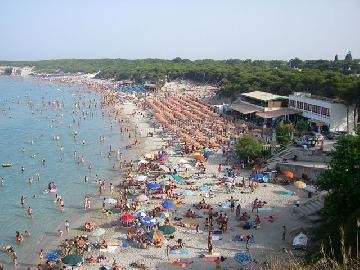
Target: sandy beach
[(149, 138)]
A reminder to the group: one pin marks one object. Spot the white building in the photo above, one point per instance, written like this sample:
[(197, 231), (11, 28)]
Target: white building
[(323, 111)]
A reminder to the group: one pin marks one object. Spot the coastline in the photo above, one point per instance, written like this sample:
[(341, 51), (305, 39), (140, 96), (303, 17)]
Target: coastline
[(140, 122), (51, 241)]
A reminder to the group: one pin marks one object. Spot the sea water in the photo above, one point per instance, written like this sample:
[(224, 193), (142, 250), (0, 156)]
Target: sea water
[(37, 118)]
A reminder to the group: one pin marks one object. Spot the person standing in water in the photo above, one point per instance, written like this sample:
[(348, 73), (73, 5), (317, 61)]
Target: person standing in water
[(30, 212), (22, 200)]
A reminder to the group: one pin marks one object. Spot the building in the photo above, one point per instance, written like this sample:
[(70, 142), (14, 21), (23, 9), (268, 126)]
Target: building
[(262, 107), (321, 111)]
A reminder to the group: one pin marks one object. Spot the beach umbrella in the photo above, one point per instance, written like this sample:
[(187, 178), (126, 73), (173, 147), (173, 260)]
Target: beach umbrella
[(196, 154), (163, 157), (173, 166), (183, 161), (205, 150), (127, 217), (167, 229), (242, 257), (200, 158), (299, 184), (153, 186), (52, 256), (257, 176), (98, 232), (168, 204), (143, 161), (73, 259), (148, 221), (154, 235), (188, 192), (140, 214), (208, 154), (187, 166), (289, 174), (142, 198), (140, 178), (110, 201)]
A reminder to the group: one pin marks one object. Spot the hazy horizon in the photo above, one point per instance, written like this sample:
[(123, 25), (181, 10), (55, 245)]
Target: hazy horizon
[(139, 29)]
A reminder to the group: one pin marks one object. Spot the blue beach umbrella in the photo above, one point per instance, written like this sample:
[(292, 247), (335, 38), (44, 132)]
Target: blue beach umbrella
[(208, 154), (154, 186), (52, 256), (168, 204)]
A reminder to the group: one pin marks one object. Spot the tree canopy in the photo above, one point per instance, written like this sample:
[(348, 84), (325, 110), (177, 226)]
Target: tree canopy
[(249, 147), (342, 181)]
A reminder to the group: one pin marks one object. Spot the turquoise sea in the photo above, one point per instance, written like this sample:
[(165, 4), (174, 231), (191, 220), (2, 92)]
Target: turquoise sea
[(37, 118)]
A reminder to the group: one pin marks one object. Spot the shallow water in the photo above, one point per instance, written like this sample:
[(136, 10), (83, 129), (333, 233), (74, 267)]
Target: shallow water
[(28, 124)]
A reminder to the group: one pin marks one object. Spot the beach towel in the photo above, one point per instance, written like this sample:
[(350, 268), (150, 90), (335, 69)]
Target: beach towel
[(179, 251), (194, 231), (227, 204), (180, 263), (178, 179), (212, 257), (216, 237), (111, 249), (285, 193), (216, 232), (264, 209)]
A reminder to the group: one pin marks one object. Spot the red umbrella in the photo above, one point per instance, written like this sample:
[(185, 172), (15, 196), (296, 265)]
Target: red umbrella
[(127, 217)]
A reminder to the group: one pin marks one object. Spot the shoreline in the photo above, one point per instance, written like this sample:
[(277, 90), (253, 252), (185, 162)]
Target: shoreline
[(52, 241)]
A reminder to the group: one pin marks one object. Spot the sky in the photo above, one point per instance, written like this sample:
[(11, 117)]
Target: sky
[(193, 29)]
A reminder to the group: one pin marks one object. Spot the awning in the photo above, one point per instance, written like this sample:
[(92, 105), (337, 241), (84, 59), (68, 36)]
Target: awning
[(243, 107), (277, 113)]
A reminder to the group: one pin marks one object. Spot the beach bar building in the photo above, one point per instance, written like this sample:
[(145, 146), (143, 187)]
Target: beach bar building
[(322, 111), (263, 107)]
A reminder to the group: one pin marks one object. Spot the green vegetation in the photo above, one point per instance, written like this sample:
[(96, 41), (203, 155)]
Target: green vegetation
[(302, 126), (334, 79), (342, 206), (284, 132), (249, 147)]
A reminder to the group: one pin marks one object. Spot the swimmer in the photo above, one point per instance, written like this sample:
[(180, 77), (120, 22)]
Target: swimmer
[(22, 200), (22, 169), (86, 179), (30, 212), (30, 181)]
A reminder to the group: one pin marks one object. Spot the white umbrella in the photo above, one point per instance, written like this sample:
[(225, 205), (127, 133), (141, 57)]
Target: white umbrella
[(149, 156), (183, 161), (110, 201), (140, 178)]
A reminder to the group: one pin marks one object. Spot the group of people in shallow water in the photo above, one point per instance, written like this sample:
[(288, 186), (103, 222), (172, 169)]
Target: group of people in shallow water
[(52, 187)]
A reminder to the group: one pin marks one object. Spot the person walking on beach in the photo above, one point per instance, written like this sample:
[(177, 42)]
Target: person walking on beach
[(232, 204), (30, 212), (67, 226)]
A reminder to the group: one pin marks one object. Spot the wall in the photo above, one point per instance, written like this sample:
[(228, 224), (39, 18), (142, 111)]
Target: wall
[(338, 117), (336, 121), (312, 172)]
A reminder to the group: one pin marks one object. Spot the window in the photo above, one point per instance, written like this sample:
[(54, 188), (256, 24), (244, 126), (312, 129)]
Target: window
[(301, 105), (325, 112), (291, 103), (316, 109)]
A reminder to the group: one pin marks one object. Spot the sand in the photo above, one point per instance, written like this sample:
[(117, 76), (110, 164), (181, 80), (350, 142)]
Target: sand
[(268, 237)]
